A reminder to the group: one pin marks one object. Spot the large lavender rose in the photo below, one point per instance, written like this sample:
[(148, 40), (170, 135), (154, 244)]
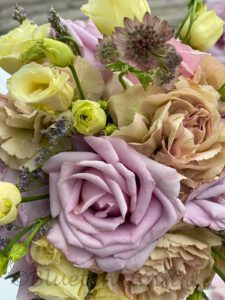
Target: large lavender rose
[(113, 204), (205, 206)]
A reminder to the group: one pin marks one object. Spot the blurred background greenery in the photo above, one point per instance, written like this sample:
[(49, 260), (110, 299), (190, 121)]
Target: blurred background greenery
[(171, 10)]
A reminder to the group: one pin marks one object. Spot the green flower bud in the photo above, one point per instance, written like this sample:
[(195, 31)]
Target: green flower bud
[(103, 104), (88, 117), (18, 251), (4, 261), (110, 128), (58, 53)]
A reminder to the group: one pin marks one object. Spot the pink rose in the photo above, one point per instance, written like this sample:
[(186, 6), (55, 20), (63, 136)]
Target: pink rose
[(191, 57), (86, 35), (205, 206), (113, 204)]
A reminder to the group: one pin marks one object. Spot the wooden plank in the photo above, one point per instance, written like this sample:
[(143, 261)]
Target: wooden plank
[(170, 10)]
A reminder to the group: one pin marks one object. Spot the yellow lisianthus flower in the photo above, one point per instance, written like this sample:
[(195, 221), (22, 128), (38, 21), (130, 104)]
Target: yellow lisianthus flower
[(205, 31), (102, 291), (108, 14), (58, 278), (42, 87), (17, 41), (10, 198)]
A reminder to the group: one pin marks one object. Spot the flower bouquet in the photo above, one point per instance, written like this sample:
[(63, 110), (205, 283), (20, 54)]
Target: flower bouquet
[(112, 149)]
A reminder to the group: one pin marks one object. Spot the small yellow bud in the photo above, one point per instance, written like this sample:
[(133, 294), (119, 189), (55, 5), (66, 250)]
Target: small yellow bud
[(206, 29), (110, 128), (88, 116), (4, 261), (9, 200), (18, 251)]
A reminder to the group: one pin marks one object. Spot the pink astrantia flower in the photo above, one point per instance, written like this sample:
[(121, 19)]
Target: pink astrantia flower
[(206, 205), (113, 204)]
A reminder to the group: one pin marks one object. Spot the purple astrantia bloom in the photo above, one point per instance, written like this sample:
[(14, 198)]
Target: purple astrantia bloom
[(113, 204), (219, 49), (205, 206), (86, 35)]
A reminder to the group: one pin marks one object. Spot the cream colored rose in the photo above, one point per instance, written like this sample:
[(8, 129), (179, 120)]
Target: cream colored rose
[(179, 263), (17, 41), (10, 198), (182, 128), (41, 87), (20, 136), (58, 278)]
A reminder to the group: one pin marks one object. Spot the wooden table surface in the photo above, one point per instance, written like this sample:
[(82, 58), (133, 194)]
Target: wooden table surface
[(171, 10)]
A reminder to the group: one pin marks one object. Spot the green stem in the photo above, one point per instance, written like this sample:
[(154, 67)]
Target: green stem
[(216, 252), (123, 83), (70, 39), (219, 272), (182, 24), (16, 239), (73, 70), (193, 11), (34, 198), (36, 229)]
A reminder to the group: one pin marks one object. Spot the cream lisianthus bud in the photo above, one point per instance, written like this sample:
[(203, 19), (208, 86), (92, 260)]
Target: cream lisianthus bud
[(58, 53), (206, 29), (9, 200), (41, 87), (110, 14), (17, 41), (88, 117)]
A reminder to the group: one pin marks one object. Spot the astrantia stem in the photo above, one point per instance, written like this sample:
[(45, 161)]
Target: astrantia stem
[(122, 81), (34, 198), (75, 76)]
